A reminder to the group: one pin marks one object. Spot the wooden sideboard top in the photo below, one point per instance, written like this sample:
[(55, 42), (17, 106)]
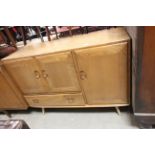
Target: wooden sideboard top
[(103, 37)]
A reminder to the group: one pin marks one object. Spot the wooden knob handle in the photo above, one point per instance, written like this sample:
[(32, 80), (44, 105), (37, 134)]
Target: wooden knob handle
[(37, 74), (35, 101), (70, 100), (83, 75), (44, 74)]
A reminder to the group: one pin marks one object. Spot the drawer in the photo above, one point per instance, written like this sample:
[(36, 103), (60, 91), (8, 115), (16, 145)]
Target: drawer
[(55, 100)]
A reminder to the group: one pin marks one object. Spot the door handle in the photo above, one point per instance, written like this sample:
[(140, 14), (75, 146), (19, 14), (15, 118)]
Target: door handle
[(83, 75), (44, 74), (70, 99), (37, 74), (35, 101)]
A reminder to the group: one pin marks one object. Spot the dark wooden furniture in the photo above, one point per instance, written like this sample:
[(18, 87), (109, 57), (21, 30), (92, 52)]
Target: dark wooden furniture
[(143, 69), (6, 50), (65, 30), (37, 29), (88, 29), (6, 30)]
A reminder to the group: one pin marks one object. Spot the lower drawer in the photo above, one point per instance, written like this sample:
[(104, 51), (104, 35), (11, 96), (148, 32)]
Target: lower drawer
[(55, 100)]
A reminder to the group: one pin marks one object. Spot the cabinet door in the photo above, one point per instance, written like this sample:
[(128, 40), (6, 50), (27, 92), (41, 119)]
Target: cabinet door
[(26, 74), (103, 73), (10, 97), (59, 72)]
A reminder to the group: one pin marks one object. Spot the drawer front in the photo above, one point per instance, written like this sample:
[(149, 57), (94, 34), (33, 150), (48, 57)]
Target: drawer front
[(55, 100)]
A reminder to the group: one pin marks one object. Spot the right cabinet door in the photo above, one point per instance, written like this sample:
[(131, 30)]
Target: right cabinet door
[(104, 73)]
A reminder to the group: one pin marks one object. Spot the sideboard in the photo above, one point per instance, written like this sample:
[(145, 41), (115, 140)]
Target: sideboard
[(88, 70)]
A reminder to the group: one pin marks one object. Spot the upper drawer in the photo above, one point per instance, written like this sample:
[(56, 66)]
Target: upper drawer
[(55, 100)]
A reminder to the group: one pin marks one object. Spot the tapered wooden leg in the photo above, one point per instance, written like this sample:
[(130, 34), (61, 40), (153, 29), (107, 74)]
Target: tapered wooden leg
[(43, 111), (6, 113), (118, 110)]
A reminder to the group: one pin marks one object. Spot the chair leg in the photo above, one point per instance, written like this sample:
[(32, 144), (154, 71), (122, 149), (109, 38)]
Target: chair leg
[(22, 31), (3, 37), (86, 29), (10, 36), (39, 33), (55, 29), (70, 30), (82, 29), (48, 33)]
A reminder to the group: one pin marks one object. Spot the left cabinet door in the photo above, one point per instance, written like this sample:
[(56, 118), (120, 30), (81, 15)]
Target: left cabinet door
[(25, 72), (10, 96), (59, 72)]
